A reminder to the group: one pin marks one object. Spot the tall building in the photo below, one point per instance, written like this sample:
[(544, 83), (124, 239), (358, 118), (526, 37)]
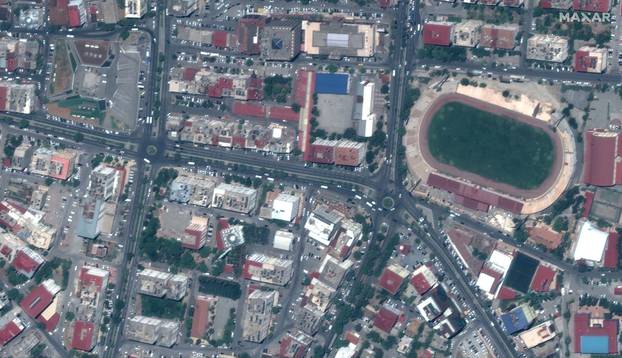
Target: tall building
[(281, 39), (258, 315), (162, 284), (285, 207), (338, 39), (234, 197), (76, 13), (367, 124), (181, 8), (195, 234), (268, 269), (103, 182), (55, 164), (90, 218), (135, 9), (152, 330)]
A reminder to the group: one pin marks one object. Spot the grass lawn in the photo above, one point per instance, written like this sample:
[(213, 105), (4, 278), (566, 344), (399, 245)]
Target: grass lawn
[(495, 147), (161, 307), (84, 107)]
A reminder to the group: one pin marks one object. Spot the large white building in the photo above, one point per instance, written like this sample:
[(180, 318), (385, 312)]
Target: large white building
[(285, 207), (590, 244), (135, 9), (367, 124), (283, 240), (103, 183), (234, 197), (323, 223)]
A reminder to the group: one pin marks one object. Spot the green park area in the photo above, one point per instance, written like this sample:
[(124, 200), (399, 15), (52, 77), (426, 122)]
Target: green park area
[(84, 107), (492, 146)]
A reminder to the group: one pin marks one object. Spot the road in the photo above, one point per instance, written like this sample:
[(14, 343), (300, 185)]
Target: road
[(383, 183)]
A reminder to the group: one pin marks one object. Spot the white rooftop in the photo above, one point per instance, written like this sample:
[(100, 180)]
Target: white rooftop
[(500, 261), (485, 282), (590, 243)]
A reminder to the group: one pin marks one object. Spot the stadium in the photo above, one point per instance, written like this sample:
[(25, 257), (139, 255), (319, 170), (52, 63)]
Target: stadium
[(540, 161)]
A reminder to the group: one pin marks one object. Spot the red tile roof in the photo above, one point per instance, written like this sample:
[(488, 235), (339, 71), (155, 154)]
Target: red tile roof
[(88, 279), (461, 240), (82, 338), (506, 294), (347, 156), (321, 154), (248, 109), (557, 4), (283, 113), (385, 319), (3, 97), (583, 328), (495, 37), (200, 318), (65, 167), (51, 323), (469, 191), (617, 290), (587, 204), (247, 33), (9, 331), (300, 89), (471, 203), (591, 5), (599, 156), (420, 283), (611, 251), (390, 281), (36, 301), (583, 62), (542, 279), (437, 34), (542, 235), (25, 264), (219, 39), (222, 225), (74, 16), (189, 73)]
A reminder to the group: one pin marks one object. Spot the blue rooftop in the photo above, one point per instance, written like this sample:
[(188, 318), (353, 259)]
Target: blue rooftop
[(514, 321), (332, 83), (594, 344)]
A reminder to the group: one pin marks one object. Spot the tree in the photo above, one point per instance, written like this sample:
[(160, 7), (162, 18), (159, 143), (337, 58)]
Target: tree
[(319, 352), (161, 307), (218, 268), (219, 287), (349, 133), (506, 93), (520, 235), (70, 316), (560, 224), (23, 124), (15, 278), (465, 81), (14, 295), (78, 137)]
